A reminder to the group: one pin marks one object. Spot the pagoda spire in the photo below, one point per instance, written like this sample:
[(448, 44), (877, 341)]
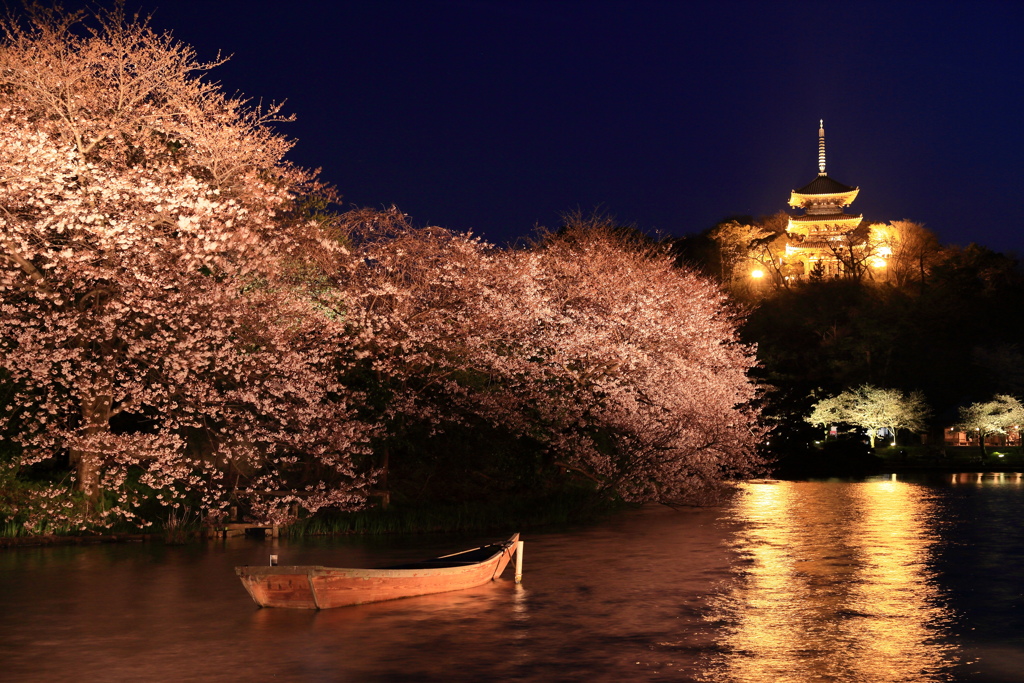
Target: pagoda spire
[(821, 147), (812, 236)]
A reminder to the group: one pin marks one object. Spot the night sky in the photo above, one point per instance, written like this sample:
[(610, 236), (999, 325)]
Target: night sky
[(496, 116)]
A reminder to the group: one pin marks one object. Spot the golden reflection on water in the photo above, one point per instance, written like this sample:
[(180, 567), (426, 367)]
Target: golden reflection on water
[(836, 586), (987, 478)]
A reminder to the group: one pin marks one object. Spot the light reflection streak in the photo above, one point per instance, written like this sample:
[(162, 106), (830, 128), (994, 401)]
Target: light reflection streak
[(836, 586), (987, 478)]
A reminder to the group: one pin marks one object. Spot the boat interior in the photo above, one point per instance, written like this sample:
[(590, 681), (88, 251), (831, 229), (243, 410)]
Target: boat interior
[(462, 559)]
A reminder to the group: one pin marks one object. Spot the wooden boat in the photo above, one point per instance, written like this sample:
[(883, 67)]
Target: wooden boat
[(314, 587)]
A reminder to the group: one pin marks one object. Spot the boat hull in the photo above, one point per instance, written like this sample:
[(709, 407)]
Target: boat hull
[(314, 587)]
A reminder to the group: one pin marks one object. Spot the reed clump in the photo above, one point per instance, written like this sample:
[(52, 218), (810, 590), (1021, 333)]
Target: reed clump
[(181, 526)]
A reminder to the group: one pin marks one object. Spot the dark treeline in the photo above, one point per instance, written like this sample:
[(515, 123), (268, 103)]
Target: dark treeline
[(944, 320)]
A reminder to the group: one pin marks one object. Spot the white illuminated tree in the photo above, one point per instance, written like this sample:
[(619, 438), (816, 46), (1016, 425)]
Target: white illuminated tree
[(997, 416), (872, 409)]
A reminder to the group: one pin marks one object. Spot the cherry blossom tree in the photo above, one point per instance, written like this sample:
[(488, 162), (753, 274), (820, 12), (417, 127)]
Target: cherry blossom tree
[(181, 324), (160, 324), (624, 368), (644, 379)]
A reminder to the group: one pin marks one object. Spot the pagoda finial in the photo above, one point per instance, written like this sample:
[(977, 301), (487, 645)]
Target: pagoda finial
[(821, 147)]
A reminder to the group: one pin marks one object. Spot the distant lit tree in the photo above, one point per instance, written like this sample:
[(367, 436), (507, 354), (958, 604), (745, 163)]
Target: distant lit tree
[(768, 249), (910, 249), (753, 250), (734, 240), (872, 409), (830, 411), (997, 416), (858, 250)]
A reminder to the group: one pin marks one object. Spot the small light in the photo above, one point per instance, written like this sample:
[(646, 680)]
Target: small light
[(757, 274)]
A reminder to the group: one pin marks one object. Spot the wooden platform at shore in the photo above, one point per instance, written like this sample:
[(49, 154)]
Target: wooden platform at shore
[(242, 528)]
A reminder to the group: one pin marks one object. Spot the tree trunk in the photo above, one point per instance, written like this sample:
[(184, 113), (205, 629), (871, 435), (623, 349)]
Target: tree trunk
[(95, 420), (383, 483)]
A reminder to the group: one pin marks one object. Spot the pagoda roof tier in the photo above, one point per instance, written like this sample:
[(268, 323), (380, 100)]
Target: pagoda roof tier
[(826, 218), (808, 246), (824, 185), (796, 199)]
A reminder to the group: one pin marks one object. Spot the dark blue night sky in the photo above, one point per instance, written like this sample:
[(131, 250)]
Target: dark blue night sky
[(498, 116)]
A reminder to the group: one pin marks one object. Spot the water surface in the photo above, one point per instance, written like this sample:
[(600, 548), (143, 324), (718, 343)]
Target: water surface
[(868, 581)]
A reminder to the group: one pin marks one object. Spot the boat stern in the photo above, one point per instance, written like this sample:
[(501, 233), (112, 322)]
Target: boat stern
[(279, 586)]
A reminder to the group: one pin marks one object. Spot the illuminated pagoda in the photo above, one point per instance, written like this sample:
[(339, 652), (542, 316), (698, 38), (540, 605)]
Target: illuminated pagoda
[(819, 235)]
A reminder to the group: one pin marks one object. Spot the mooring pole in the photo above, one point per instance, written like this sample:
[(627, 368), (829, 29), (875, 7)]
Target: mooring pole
[(519, 562)]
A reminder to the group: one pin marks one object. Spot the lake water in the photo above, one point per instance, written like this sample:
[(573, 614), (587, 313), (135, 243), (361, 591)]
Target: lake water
[(879, 580)]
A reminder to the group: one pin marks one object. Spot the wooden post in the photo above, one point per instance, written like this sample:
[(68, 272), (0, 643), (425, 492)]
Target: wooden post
[(519, 562)]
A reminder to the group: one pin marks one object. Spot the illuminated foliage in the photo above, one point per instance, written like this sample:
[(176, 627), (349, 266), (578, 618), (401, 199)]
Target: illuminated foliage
[(745, 249), (152, 321), (908, 249), (625, 369), (997, 416), (645, 354), (872, 409)]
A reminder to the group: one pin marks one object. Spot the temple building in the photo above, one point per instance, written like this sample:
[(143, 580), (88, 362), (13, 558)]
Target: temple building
[(819, 240)]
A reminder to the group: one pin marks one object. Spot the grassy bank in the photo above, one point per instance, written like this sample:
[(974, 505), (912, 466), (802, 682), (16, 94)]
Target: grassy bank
[(966, 458), (843, 458), (510, 514)]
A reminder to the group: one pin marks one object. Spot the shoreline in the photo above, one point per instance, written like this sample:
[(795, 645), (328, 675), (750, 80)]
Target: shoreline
[(51, 540)]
